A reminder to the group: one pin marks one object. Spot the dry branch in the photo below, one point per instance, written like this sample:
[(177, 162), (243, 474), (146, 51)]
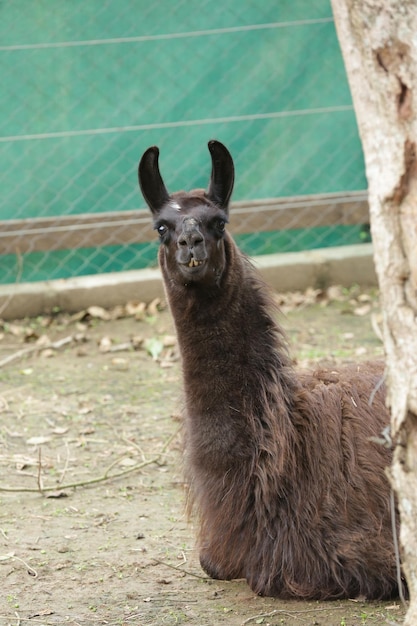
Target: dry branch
[(31, 571), (54, 345), (286, 612), (93, 481), (180, 569)]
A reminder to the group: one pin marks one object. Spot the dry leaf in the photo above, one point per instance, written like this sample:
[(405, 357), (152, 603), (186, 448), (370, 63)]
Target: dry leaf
[(335, 293), (80, 337), (154, 307), (168, 358), (120, 347), (120, 364), (13, 433), (47, 354), (104, 344), (98, 312), (136, 309), (15, 329), (118, 312), (41, 613), (37, 441), (78, 317), (60, 430), (88, 430), (46, 321), (166, 364), (360, 351), (362, 310), (56, 494), (293, 300), (43, 341), (169, 341), (136, 341), (85, 409), (30, 335)]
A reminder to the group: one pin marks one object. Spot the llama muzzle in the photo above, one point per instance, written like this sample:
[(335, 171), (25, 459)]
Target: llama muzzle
[(190, 243)]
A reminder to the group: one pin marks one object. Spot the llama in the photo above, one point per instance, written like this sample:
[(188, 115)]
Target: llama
[(285, 475)]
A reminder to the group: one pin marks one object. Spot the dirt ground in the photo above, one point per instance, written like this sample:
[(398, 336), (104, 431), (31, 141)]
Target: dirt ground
[(92, 523)]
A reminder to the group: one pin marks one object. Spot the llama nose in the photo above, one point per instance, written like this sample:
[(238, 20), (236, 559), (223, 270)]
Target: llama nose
[(190, 239), (190, 236)]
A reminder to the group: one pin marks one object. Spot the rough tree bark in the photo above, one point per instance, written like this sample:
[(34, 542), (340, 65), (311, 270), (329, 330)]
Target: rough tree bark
[(379, 46)]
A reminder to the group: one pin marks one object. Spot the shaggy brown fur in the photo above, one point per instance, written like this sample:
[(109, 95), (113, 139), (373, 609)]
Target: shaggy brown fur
[(285, 474)]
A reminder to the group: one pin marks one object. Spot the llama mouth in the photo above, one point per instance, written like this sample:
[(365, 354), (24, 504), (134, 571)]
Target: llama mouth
[(194, 263)]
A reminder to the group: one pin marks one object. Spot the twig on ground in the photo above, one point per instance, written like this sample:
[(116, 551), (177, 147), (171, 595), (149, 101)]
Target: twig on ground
[(54, 345), (64, 471), (180, 569), (39, 469), (287, 612), (135, 445), (99, 479), (31, 570)]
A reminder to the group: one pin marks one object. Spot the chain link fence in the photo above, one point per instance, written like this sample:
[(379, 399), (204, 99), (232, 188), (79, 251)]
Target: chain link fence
[(88, 86)]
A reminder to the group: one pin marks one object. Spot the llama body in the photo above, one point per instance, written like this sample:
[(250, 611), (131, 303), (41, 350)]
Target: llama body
[(285, 476)]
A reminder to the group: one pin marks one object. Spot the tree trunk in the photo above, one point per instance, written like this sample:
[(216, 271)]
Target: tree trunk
[(379, 45)]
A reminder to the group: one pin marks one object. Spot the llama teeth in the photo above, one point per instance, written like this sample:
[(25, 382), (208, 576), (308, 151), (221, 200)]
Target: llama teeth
[(194, 263)]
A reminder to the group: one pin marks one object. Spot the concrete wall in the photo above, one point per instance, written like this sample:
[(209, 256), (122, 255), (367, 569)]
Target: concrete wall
[(345, 266)]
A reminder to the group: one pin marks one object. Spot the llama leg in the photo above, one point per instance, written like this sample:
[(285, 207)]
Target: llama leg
[(211, 568), (215, 568), (208, 567)]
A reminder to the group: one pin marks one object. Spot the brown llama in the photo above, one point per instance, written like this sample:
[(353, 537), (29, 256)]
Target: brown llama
[(285, 474)]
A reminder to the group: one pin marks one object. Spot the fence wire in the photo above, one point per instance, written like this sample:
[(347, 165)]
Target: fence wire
[(88, 86)]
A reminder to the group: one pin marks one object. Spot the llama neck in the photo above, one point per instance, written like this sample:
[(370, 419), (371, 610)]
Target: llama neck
[(237, 373)]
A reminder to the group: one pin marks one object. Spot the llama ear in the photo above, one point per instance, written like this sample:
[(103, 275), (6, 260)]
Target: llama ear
[(222, 175), (150, 180)]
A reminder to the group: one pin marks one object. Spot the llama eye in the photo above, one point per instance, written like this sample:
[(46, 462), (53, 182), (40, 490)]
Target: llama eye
[(221, 225), (162, 230)]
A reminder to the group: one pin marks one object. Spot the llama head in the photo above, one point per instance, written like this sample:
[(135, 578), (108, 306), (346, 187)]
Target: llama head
[(191, 225)]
